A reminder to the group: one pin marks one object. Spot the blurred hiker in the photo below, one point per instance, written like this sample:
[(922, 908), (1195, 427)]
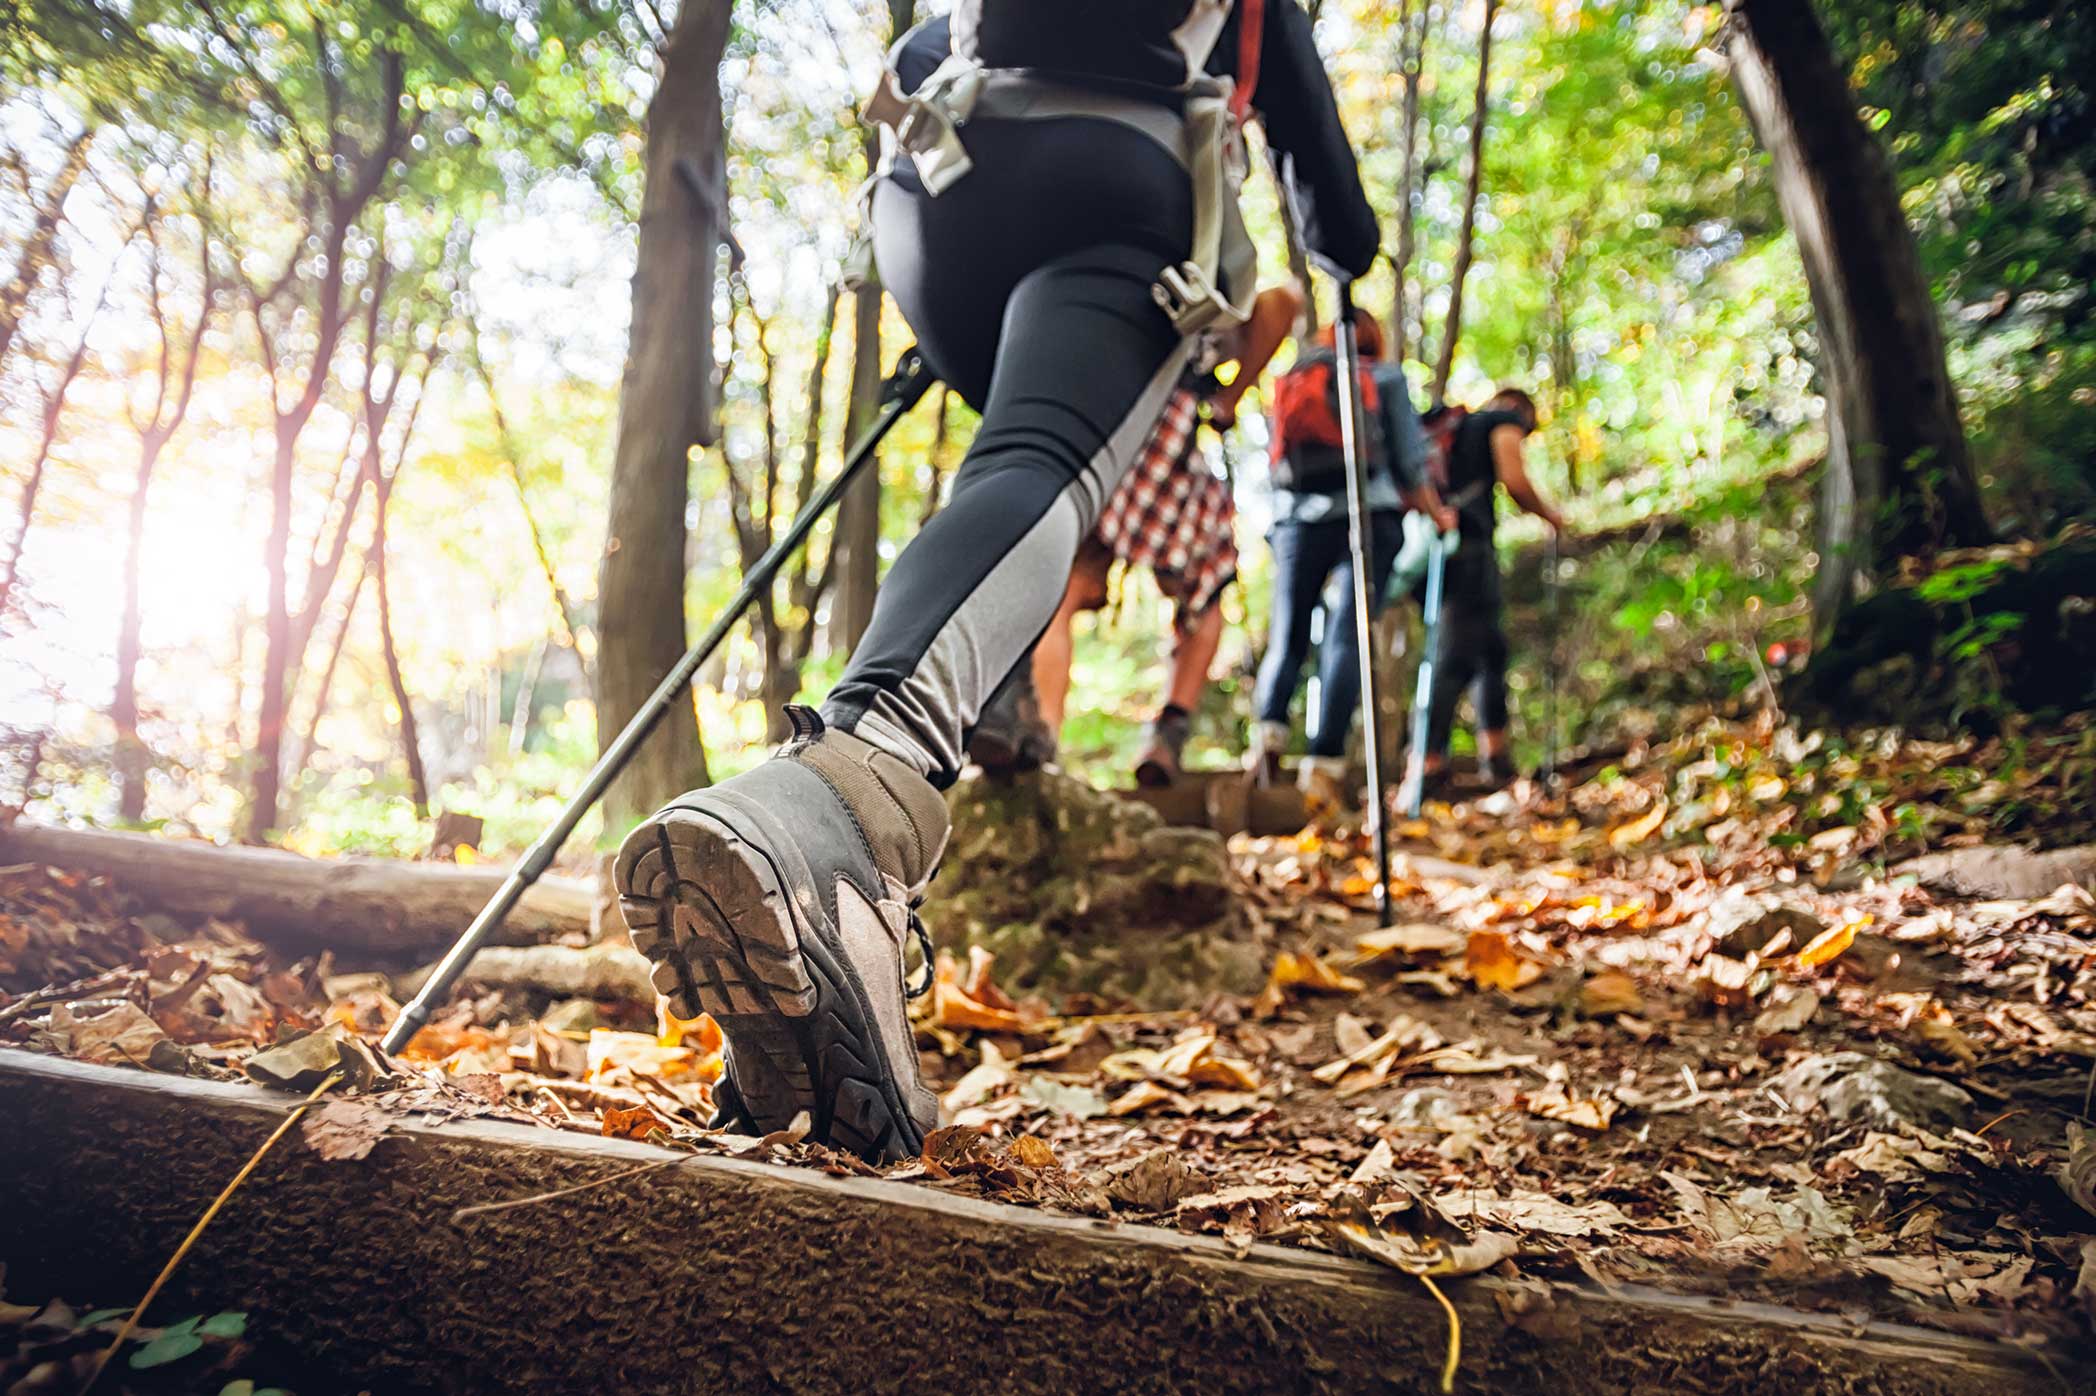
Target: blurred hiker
[(1311, 547), (1057, 221), (1484, 450), (1173, 515)]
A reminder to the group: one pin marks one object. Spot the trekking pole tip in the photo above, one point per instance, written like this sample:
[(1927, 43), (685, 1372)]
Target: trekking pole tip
[(411, 1020)]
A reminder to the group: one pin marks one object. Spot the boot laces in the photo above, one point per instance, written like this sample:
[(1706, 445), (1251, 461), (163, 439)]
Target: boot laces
[(925, 952)]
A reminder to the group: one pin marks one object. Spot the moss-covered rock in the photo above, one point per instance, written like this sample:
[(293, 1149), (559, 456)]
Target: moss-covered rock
[(1077, 891)]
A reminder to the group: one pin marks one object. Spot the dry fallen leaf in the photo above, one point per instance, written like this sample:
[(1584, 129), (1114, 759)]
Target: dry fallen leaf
[(636, 1123), (1154, 1182), (1627, 836), (119, 1036), (1305, 972), (1555, 1103), (1609, 993), (1790, 1008), (1491, 963), (1829, 944), (1030, 1151), (1417, 938), (340, 1130)]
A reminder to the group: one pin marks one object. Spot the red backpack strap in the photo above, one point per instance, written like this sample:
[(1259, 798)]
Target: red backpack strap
[(1251, 30)]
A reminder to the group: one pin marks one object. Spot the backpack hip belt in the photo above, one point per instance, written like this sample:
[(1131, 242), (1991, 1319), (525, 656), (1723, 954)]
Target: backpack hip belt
[(1203, 135)]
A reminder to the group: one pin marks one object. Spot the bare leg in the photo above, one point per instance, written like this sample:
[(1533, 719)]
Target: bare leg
[(1257, 340), (1085, 591), (1193, 654)]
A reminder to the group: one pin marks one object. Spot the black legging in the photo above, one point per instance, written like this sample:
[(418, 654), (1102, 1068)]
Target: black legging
[(1470, 649), (1028, 284)]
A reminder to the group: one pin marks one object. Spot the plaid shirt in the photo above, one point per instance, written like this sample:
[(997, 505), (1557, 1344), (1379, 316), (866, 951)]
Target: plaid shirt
[(1172, 515)]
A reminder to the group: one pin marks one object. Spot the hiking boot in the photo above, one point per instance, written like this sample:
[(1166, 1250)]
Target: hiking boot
[(1160, 764), (1009, 736), (1322, 779), (781, 902), (1263, 761)]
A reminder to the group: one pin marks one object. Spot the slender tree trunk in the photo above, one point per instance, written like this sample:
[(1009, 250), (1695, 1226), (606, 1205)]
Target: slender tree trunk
[(276, 643), (33, 484), (1466, 233), (858, 536), (323, 690), (123, 706), (1411, 61), (527, 696), (666, 407), (1899, 479), (37, 247), (410, 742)]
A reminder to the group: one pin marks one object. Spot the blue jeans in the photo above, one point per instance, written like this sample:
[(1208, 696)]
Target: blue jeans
[(1306, 557)]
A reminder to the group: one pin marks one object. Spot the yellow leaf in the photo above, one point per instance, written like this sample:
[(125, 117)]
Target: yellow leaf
[(1625, 837), (1489, 959), (1029, 1151), (1828, 944)]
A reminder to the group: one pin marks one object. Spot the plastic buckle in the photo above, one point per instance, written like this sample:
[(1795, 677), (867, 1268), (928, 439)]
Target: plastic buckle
[(1187, 298)]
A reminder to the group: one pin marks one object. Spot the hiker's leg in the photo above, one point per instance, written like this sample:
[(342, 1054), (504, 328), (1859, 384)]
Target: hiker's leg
[(1469, 609), (1303, 558), (1339, 664), (1488, 693), (780, 900), (1193, 655), (1254, 344), (970, 595), (1086, 591)]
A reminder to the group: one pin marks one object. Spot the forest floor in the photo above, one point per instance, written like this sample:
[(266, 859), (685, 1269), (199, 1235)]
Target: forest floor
[(1684, 1024)]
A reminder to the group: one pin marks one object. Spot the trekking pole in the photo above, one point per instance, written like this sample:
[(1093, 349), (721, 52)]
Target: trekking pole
[(1352, 437), (1550, 583), (1423, 686), (903, 390)]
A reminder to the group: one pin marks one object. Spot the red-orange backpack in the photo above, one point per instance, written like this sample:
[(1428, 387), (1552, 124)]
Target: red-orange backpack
[(1305, 451)]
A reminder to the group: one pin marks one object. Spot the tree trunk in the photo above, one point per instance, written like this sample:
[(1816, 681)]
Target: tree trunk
[(378, 905), (1899, 480), (42, 239), (410, 741), (666, 407), (123, 706), (33, 485), (858, 536), (1466, 233), (276, 645), (323, 689), (1411, 60)]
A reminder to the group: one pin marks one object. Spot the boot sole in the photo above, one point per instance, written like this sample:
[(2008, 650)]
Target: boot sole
[(710, 910)]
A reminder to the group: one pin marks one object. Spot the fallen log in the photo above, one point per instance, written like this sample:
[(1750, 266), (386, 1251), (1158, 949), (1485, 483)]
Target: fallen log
[(607, 971), (392, 908), (713, 1274)]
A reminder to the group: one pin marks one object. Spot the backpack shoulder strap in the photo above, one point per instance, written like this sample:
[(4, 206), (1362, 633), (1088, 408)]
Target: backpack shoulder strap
[(1251, 32)]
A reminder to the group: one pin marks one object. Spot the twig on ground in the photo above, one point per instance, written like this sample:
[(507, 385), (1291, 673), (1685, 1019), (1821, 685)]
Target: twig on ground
[(1455, 1336), (123, 1336), (538, 1197)]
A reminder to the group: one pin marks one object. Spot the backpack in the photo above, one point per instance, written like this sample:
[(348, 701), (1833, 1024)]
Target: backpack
[(1307, 454), (1441, 424)]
